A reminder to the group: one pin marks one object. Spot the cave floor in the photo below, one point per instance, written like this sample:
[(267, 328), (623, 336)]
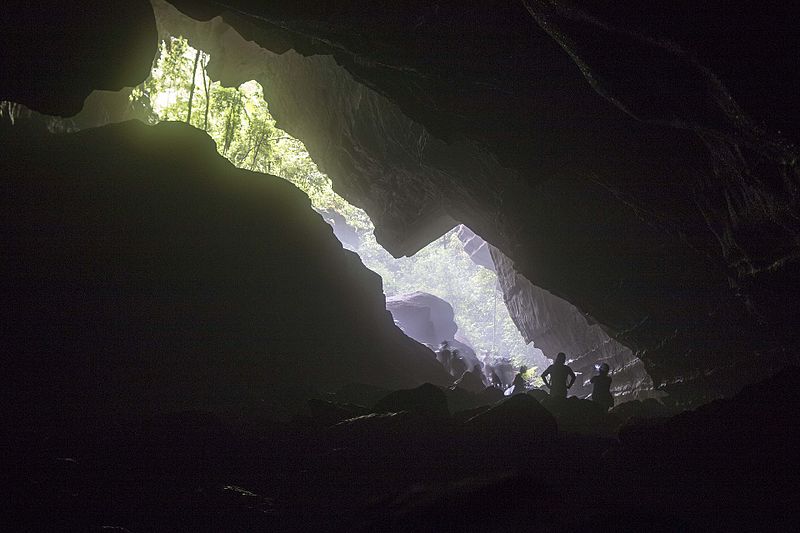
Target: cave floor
[(406, 472)]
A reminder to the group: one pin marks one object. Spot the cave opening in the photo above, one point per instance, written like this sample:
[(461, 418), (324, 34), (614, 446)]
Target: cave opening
[(186, 345), (446, 292)]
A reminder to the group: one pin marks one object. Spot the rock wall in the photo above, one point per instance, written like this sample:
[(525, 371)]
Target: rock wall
[(554, 325), (142, 272), (644, 173), (55, 53), (643, 191)]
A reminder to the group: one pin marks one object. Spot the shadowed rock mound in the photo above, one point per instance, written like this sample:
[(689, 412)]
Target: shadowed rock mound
[(144, 271)]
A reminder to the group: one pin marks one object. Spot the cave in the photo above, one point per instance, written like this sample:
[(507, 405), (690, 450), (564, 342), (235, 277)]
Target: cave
[(188, 346)]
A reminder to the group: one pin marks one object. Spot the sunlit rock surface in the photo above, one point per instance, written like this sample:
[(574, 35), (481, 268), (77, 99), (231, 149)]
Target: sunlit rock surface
[(554, 325), (477, 249), (430, 320), (143, 271)]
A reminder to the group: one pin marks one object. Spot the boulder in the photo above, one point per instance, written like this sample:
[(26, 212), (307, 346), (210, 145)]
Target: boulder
[(430, 320), (581, 416), (520, 418), (649, 408), (426, 400), (471, 381), (325, 413)]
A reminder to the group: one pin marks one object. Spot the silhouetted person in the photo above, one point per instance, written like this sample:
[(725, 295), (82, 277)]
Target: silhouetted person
[(472, 381), (505, 370), (478, 371), (457, 365), (444, 355), (559, 373), (520, 385), (495, 381), (601, 393)]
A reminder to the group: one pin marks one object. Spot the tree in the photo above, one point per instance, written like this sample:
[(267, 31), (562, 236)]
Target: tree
[(191, 90), (206, 87)]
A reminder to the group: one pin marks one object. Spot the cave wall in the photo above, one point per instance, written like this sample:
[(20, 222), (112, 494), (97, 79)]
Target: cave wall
[(319, 101), (638, 162), (55, 53), (640, 188), (554, 325), (142, 272)]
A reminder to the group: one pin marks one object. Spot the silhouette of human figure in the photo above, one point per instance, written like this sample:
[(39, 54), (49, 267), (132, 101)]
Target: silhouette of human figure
[(505, 371), (444, 355), (472, 381), (478, 371), (457, 365), (601, 393), (520, 385), (559, 373), (495, 381)]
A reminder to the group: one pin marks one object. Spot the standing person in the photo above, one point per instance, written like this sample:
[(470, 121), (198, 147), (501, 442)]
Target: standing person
[(457, 366), (520, 385), (444, 355), (601, 393), (472, 381), (494, 380), (559, 373)]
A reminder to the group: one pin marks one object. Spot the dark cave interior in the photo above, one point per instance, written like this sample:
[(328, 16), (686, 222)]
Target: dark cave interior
[(187, 346)]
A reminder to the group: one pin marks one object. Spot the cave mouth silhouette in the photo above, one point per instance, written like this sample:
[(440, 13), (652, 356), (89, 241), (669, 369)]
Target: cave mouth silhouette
[(78, 457), (238, 119), (485, 329)]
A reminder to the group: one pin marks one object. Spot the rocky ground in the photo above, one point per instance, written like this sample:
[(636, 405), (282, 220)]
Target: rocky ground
[(510, 465)]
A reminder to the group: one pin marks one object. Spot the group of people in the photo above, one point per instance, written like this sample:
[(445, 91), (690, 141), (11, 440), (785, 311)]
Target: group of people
[(558, 377)]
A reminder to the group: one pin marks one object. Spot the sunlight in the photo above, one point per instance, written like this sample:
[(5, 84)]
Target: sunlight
[(239, 121)]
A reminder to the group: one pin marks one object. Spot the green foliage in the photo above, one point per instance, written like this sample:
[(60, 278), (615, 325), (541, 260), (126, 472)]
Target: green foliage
[(239, 121)]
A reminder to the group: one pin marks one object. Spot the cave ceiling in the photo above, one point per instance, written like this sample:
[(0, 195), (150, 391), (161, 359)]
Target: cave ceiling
[(637, 161)]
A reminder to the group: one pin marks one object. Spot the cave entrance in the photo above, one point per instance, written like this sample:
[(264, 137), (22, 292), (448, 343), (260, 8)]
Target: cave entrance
[(443, 292)]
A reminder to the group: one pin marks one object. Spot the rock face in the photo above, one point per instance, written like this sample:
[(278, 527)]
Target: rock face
[(554, 325), (142, 270), (73, 50), (478, 249), (645, 172), (429, 320)]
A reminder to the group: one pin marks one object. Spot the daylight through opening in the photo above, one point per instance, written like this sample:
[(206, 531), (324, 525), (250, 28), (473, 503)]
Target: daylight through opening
[(420, 289)]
